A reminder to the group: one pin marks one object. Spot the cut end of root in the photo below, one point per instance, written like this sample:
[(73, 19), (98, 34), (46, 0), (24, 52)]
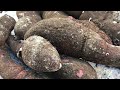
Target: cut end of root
[(19, 52)]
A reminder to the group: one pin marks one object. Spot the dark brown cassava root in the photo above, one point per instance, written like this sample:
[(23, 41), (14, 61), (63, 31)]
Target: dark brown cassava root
[(108, 21), (73, 68), (9, 69), (6, 25), (111, 29), (74, 39), (53, 14), (40, 55), (23, 24), (26, 20), (93, 27)]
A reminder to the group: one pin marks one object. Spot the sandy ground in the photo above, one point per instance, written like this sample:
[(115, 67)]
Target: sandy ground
[(103, 72)]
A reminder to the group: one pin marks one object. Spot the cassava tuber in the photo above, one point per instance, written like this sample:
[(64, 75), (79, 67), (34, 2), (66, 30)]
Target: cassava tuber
[(26, 20), (108, 21), (93, 27), (40, 55), (73, 68), (74, 39), (6, 25)]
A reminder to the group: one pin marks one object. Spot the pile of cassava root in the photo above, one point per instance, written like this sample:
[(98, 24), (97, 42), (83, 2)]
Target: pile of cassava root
[(58, 44)]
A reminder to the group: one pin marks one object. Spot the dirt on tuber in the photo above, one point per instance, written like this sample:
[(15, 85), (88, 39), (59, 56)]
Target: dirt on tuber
[(40, 55), (74, 39), (73, 68), (7, 23)]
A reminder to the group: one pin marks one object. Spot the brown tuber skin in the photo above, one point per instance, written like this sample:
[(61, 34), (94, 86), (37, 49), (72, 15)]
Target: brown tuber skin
[(8, 22), (100, 15), (40, 55), (23, 24), (6, 25), (111, 29), (74, 39), (108, 21), (93, 27), (53, 14), (73, 68), (26, 20), (11, 70), (33, 14)]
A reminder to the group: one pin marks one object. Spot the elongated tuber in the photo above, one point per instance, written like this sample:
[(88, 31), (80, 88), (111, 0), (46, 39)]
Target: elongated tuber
[(23, 24), (93, 27), (6, 25), (26, 20), (40, 55), (74, 39), (108, 21), (73, 68)]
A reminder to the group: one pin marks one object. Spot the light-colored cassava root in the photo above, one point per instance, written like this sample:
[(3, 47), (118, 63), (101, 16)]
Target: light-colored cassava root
[(40, 55)]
